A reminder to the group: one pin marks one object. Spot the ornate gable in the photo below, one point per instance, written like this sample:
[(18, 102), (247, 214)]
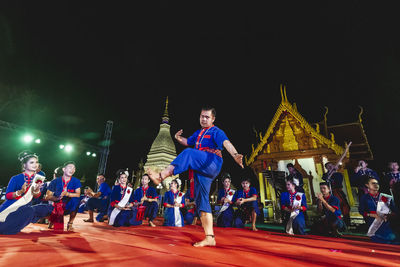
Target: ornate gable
[(289, 131)]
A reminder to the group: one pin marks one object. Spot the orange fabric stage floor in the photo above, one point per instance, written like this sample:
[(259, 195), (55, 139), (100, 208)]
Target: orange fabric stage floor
[(101, 245)]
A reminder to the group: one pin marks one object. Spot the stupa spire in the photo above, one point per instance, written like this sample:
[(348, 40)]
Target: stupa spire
[(165, 117)]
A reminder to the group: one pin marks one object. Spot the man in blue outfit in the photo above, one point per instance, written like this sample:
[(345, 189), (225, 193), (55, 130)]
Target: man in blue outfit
[(328, 206), (99, 200), (205, 159)]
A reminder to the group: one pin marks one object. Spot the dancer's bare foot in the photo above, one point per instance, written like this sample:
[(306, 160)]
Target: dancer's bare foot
[(209, 241), (154, 176), (69, 226), (88, 220), (254, 228), (152, 224)]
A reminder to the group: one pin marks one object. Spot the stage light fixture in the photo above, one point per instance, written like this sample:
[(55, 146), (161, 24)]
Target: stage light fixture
[(61, 146), (88, 153), (28, 138), (94, 155), (38, 141), (68, 148)]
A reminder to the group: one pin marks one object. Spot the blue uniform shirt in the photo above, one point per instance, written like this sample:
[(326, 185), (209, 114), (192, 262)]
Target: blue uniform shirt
[(208, 138), (14, 185), (151, 192), (334, 202), (105, 190), (57, 186), (336, 179)]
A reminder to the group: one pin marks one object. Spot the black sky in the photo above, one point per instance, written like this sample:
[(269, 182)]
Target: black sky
[(68, 67)]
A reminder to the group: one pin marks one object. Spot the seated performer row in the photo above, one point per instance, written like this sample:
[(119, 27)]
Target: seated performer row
[(244, 199), (129, 207), (61, 197)]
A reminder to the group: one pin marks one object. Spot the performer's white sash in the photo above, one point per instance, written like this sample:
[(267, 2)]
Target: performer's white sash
[(122, 203), (293, 214), (177, 213), (382, 209), (227, 204), (25, 199)]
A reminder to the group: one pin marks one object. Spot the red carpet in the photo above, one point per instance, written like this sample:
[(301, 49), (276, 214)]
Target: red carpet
[(101, 245)]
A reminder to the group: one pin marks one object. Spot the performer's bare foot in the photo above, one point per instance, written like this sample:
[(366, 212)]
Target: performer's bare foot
[(69, 226), (51, 225), (154, 176), (152, 224), (209, 241), (88, 220), (254, 228)]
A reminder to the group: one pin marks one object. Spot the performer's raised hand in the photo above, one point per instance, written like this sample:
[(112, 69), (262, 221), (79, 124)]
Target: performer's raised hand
[(182, 140), (239, 159), (178, 135), (232, 150)]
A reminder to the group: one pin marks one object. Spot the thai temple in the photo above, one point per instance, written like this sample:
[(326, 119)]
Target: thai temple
[(162, 151), (290, 138)]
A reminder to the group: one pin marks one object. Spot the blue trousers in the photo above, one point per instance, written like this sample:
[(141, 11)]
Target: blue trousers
[(151, 210), (299, 223), (17, 220), (206, 167), (225, 219), (41, 211), (100, 204), (188, 218)]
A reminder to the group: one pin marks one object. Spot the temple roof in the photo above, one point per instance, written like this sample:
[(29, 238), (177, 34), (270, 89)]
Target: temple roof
[(283, 110), (354, 132)]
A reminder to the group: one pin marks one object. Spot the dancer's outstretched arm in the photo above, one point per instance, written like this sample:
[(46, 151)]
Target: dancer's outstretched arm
[(235, 155)]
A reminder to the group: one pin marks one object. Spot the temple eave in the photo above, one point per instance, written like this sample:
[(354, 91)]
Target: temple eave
[(297, 154)]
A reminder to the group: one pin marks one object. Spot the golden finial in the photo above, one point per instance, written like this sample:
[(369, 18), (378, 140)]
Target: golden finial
[(284, 91), (166, 107), (326, 112), (283, 100), (165, 118), (317, 127), (361, 112)]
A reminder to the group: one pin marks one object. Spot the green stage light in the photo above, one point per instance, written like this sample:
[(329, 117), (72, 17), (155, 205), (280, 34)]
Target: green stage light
[(38, 141), (61, 146), (68, 148), (28, 138), (94, 155), (88, 153)]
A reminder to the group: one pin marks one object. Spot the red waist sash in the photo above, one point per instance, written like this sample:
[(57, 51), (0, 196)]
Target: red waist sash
[(211, 150)]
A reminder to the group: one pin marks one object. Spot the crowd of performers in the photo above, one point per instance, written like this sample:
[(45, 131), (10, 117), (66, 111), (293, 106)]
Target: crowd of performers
[(30, 199), (376, 202)]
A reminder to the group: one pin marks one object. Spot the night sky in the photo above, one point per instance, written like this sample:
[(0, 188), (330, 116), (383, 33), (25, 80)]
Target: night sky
[(67, 67)]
